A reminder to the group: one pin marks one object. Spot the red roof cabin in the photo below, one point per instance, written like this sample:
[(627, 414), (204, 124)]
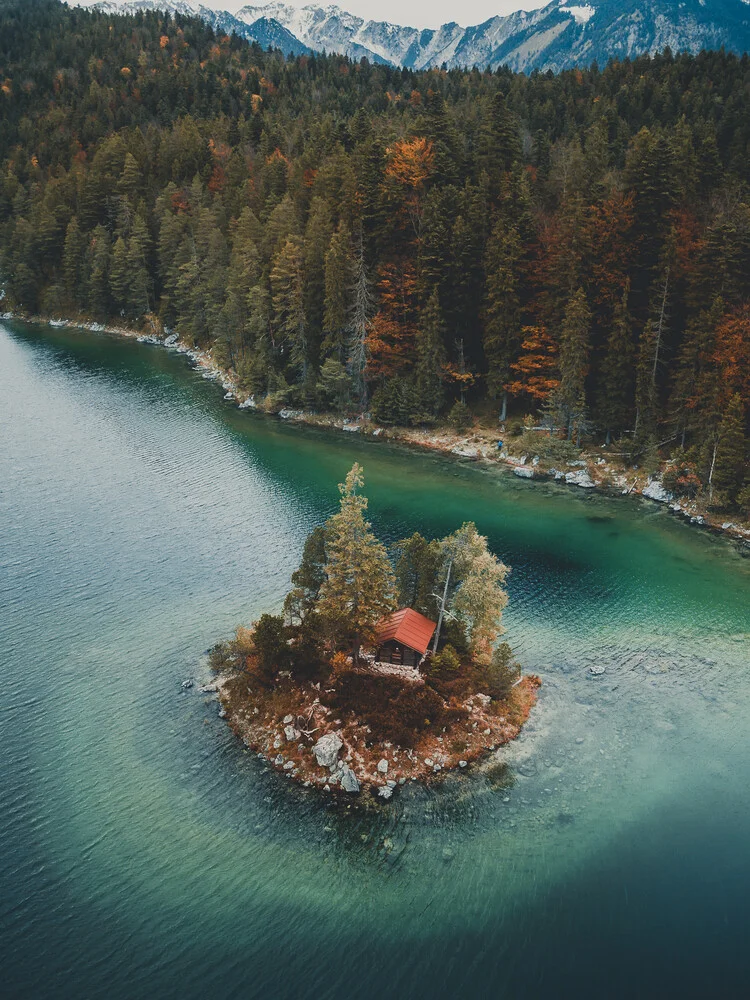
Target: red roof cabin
[(404, 637)]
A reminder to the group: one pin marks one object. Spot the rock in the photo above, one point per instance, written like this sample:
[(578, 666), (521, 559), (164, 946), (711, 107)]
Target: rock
[(289, 765), (385, 792), (486, 732), (276, 742), (655, 491), (326, 750), (187, 684), (222, 713), (248, 404), (462, 763), (171, 339), (349, 781), (402, 781), (436, 768), (429, 762), (597, 669), (523, 473), (288, 719), (579, 739), (383, 766), (447, 854), (351, 428), (535, 460), (291, 733), (483, 699), (580, 478), (465, 452), (208, 689), (579, 463), (278, 760)]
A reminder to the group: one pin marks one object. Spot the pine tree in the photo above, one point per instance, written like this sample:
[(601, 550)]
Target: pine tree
[(74, 252), (338, 284), (361, 318), (119, 274), (359, 585), (502, 310), (290, 320), (729, 458), (616, 393), (429, 372), (570, 395)]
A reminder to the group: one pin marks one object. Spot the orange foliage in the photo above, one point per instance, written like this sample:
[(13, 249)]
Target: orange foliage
[(392, 335), (536, 368), (255, 102), (218, 179), (410, 162), (613, 246), (163, 41), (732, 353)]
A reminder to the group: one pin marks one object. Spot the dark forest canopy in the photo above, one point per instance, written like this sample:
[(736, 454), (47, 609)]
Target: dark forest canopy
[(352, 236)]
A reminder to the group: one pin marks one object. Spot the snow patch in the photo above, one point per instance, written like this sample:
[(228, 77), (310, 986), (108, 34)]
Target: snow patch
[(581, 14)]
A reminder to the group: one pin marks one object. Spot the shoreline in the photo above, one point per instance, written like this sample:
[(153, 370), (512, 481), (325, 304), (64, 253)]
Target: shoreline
[(306, 742), (478, 444)]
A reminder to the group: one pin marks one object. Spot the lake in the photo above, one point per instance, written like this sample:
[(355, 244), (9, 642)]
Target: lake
[(146, 853)]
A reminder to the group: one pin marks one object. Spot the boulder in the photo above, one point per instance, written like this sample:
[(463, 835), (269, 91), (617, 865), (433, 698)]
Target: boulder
[(349, 782), (208, 689), (580, 478), (383, 766), (385, 792), (655, 491), (326, 750), (291, 733), (287, 719), (523, 473), (187, 684)]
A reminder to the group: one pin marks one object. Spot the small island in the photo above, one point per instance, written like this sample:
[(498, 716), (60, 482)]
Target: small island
[(383, 668)]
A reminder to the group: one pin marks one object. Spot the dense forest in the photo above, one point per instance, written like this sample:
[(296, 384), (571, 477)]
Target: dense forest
[(358, 237)]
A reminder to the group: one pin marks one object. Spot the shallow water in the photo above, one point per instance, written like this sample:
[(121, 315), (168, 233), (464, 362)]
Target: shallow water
[(145, 853)]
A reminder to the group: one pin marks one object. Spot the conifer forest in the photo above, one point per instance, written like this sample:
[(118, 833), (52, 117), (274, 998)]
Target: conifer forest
[(572, 249)]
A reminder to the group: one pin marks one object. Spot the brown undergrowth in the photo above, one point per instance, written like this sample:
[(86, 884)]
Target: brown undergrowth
[(420, 732)]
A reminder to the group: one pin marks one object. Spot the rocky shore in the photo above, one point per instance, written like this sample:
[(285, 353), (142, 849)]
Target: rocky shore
[(294, 731), (480, 444)]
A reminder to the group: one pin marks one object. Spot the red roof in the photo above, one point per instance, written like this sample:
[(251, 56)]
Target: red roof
[(408, 627)]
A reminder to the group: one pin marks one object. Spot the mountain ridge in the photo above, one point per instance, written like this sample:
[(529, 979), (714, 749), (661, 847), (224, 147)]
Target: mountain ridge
[(557, 36)]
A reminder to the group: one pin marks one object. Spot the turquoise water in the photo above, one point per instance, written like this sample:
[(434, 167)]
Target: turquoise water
[(145, 853)]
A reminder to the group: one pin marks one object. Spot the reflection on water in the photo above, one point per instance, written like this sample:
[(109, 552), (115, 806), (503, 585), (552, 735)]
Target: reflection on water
[(148, 854)]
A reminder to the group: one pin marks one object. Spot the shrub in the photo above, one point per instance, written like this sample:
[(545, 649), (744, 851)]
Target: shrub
[(460, 416), (269, 643), (394, 710), (682, 479), (549, 449), (221, 656), (445, 663), (501, 673)]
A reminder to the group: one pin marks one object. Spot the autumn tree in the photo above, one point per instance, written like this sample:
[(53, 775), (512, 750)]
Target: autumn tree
[(535, 373)]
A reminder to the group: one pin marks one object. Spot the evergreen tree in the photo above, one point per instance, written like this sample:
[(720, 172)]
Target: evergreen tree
[(290, 319), (502, 310), (339, 277), (617, 391), (429, 372), (729, 458), (359, 584)]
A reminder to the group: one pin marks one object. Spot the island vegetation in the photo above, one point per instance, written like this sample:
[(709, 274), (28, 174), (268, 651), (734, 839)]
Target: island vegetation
[(306, 688), (428, 248)]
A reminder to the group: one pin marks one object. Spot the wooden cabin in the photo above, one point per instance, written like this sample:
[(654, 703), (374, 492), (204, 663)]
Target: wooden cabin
[(404, 637)]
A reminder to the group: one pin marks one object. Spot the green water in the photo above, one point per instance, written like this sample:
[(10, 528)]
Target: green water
[(145, 853)]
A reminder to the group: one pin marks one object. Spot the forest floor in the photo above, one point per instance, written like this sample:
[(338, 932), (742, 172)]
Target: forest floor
[(593, 467), (283, 723)]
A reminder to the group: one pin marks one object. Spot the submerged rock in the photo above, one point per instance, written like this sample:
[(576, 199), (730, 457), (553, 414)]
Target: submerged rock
[(326, 750), (385, 792)]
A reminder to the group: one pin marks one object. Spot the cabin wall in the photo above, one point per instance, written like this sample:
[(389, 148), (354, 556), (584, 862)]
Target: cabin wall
[(397, 652)]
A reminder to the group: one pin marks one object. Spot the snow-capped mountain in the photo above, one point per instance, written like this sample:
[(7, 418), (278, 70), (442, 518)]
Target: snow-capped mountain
[(558, 36)]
